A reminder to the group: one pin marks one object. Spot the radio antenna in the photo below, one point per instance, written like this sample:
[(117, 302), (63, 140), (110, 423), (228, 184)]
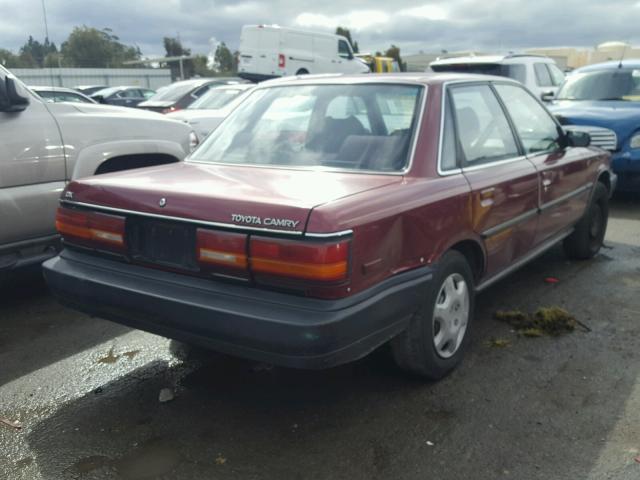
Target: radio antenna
[(624, 50)]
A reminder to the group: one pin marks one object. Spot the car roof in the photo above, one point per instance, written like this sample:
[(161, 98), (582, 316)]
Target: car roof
[(196, 82), (423, 78), (37, 88), (612, 65), (487, 58)]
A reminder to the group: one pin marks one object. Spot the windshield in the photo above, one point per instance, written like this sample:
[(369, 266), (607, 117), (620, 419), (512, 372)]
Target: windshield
[(216, 98), (173, 92), (618, 84), (363, 127), (106, 92), (517, 72)]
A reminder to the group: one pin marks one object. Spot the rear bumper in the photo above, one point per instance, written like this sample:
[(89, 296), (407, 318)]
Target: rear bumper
[(239, 320)]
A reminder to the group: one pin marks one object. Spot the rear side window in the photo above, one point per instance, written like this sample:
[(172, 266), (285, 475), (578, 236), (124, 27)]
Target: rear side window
[(543, 78), (517, 72), (483, 130), (448, 155), (537, 130)]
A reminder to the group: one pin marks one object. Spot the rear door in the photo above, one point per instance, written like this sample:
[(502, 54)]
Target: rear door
[(32, 172), (564, 172), (504, 184)]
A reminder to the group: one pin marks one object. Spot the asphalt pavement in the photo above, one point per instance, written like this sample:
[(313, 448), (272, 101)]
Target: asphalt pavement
[(86, 393)]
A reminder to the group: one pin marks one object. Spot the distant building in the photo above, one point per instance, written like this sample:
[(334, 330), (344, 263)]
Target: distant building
[(570, 57)]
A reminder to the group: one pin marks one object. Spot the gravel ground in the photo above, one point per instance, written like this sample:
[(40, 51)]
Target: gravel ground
[(87, 394)]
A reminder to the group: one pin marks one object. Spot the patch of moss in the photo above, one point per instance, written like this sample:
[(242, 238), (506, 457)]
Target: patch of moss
[(545, 321)]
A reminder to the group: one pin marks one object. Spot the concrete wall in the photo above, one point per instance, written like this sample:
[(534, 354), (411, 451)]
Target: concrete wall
[(71, 77)]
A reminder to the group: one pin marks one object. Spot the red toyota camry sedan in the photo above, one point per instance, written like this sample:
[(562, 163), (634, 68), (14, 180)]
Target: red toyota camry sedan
[(329, 215)]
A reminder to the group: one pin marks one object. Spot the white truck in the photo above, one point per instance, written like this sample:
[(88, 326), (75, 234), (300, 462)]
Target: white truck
[(44, 145), (269, 51)]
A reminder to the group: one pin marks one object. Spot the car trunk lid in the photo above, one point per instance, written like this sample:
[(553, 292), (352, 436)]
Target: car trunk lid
[(229, 196)]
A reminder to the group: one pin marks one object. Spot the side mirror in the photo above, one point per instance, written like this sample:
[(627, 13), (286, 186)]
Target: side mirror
[(576, 138), (98, 98), (11, 100), (547, 96)]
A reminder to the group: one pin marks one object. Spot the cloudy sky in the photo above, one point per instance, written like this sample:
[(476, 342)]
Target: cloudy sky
[(499, 25)]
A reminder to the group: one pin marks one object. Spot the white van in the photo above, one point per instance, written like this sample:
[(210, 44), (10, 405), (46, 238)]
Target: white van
[(271, 51)]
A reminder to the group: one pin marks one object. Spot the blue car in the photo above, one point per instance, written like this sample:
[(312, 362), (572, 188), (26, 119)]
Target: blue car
[(604, 100)]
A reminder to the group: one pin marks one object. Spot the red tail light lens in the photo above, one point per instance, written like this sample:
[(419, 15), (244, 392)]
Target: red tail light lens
[(91, 229), (281, 61), (222, 249), (322, 262)]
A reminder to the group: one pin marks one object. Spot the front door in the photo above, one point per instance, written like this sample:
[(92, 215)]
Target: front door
[(504, 184), (32, 171), (564, 178)]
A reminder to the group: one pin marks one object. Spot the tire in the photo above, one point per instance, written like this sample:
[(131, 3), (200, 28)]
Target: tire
[(415, 349), (588, 236), (302, 71)]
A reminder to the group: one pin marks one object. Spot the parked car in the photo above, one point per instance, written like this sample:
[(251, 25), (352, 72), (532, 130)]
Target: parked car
[(329, 215), (123, 96), (180, 95), (378, 64), (269, 51), (45, 145), (538, 73), (89, 89), (61, 94), (604, 101), (206, 113)]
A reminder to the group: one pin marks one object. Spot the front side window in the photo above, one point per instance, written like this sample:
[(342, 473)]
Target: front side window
[(343, 49), (557, 77), (361, 127), (536, 129), (483, 130), (543, 79)]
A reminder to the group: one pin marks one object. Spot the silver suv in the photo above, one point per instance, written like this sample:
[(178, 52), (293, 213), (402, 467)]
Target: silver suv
[(538, 73), (44, 145)]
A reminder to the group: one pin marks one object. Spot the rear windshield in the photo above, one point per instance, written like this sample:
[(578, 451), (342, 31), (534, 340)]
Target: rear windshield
[(215, 98), (517, 72), (355, 127), (173, 92)]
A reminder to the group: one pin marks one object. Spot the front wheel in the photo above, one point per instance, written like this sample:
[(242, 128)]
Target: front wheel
[(437, 336), (588, 236)]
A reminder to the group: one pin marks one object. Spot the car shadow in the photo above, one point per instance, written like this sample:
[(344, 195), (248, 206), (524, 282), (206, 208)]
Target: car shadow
[(36, 331), (534, 408)]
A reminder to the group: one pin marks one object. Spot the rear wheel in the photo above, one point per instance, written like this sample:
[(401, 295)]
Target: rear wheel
[(438, 334), (588, 236), (302, 71)]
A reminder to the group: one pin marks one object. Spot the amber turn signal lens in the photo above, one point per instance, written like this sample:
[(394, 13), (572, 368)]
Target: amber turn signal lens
[(325, 262), (90, 228)]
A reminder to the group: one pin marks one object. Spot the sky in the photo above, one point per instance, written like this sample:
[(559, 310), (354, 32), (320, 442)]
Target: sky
[(479, 25)]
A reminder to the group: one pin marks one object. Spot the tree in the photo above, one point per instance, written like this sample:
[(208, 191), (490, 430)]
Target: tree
[(346, 33), (394, 52), (224, 59), (34, 52), (174, 48), (90, 47), (10, 59)]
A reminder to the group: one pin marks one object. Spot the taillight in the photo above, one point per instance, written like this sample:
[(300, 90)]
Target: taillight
[(316, 262), (222, 249), (91, 229), (281, 61), (170, 109)]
